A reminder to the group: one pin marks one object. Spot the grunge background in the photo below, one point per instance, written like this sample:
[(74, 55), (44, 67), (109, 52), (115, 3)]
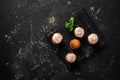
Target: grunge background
[(24, 50)]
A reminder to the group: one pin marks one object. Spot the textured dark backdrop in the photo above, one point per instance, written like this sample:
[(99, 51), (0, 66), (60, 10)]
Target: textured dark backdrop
[(26, 55)]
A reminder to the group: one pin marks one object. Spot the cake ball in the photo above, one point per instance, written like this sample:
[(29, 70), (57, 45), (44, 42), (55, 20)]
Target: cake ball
[(70, 57), (92, 38), (57, 38), (74, 44), (79, 32)]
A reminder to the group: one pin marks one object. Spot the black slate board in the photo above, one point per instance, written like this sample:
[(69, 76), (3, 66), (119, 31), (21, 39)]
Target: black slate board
[(83, 20)]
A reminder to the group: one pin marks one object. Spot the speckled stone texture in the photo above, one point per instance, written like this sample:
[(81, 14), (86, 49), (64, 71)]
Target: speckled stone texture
[(25, 53)]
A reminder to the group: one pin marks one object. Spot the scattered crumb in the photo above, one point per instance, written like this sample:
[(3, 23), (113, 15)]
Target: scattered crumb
[(42, 44), (51, 20), (92, 8), (7, 63), (68, 2), (44, 28)]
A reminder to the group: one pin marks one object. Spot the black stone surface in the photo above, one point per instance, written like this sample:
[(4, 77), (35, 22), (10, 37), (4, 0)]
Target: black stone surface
[(25, 53)]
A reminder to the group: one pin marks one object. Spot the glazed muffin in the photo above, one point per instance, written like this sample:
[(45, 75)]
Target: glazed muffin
[(75, 44)]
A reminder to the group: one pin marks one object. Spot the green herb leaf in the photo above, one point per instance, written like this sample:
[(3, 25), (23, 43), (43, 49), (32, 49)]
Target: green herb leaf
[(67, 24), (70, 24)]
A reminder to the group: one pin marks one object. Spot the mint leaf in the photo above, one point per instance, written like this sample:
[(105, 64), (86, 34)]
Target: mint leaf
[(70, 24)]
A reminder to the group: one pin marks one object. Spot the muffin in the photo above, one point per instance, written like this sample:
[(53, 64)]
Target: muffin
[(57, 38), (92, 38), (79, 32), (70, 57)]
